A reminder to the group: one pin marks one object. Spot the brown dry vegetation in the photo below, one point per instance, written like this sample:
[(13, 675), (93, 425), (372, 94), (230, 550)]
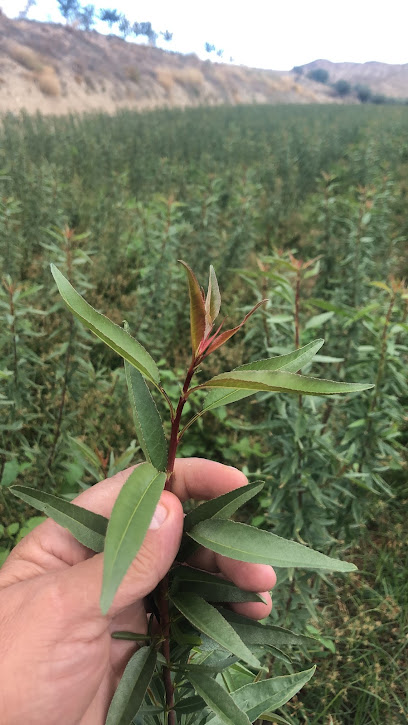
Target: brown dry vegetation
[(25, 56), (59, 69), (48, 81)]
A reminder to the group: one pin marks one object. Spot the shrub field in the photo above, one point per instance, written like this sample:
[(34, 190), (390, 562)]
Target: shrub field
[(304, 206)]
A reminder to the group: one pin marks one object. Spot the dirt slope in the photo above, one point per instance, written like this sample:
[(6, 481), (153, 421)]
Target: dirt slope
[(390, 80), (59, 69)]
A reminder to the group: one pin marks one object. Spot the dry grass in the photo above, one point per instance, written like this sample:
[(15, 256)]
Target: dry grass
[(25, 56), (166, 78), (48, 81), (132, 73), (190, 78)]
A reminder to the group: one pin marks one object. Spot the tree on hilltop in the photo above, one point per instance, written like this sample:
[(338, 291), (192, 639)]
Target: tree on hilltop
[(342, 87), (69, 9), (320, 75), (125, 27), (86, 17), (109, 16), (363, 92), (29, 4), (145, 28), (166, 35)]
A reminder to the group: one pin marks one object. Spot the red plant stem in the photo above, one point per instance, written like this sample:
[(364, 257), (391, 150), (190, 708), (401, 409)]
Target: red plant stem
[(174, 437), (163, 588)]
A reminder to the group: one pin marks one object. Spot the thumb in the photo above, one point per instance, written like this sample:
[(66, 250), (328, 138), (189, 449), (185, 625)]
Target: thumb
[(80, 586)]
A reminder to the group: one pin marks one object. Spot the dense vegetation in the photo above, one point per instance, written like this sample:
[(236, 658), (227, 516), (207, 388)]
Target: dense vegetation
[(304, 206)]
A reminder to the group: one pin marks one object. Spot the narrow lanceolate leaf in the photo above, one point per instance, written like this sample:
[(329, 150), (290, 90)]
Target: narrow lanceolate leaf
[(282, 382), (208, 620), (267, 695), (253, 632), (213, 299), (209, 669), (291, 363), (218, 699), (148, 424), (129, 521), (274, 718), (132, 688), (224, 336), (246, 543), (189, 705), (112, 335), (130, 636), (86, 526), (209, 586), (197, 308), (221, 507)]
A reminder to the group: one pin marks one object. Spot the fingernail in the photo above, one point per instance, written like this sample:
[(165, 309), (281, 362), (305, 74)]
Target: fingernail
[(159, 517)]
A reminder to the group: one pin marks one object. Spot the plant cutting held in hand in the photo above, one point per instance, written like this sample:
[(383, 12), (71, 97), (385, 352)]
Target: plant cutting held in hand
[(196, 652)]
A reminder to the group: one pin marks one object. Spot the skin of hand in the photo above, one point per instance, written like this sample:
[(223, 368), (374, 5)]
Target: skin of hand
[(59, 663)]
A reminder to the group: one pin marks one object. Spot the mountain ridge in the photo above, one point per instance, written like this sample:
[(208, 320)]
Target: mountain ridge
[(58, 69)]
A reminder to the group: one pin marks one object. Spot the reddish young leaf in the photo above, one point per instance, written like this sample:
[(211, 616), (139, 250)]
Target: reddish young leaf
[(198, 322), (229, 333)]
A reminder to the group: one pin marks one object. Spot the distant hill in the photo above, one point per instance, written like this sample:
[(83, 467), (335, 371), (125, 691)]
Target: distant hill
[(58, 69), (382, 78)]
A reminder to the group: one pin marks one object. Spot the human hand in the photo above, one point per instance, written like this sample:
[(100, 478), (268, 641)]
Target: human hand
[(59, 663)]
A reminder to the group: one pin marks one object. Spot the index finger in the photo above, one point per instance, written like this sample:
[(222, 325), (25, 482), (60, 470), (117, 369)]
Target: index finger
[(201, 479), (195, 478)]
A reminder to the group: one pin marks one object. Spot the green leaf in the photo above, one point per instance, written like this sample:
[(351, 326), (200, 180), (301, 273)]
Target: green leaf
[(267, 695), (246, 543), (87, 527), (208, 620), (221, 507), (274, 718), (129, 521), (291, 363), (112, 335), (132, 688), (282, 382), (10, 472), (318, 320), (218, 699), (197, 308), (213, 299), (189, 705), (148, 424), (253, 632), (130, 636), (29, 525), (87, 453), (210, 669), (209, 586)]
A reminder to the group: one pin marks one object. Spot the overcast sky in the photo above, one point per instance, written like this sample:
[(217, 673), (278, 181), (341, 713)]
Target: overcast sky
[(275, 34)]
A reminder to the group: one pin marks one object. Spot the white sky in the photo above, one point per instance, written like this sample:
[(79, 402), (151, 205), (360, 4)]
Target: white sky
[(275, 34)]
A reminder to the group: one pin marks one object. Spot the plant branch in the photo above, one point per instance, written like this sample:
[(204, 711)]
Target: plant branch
[(166, 397), (163, 588), (190, 422)]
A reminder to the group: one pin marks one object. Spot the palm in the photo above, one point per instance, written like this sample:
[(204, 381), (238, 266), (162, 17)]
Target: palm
[(59, 660)]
